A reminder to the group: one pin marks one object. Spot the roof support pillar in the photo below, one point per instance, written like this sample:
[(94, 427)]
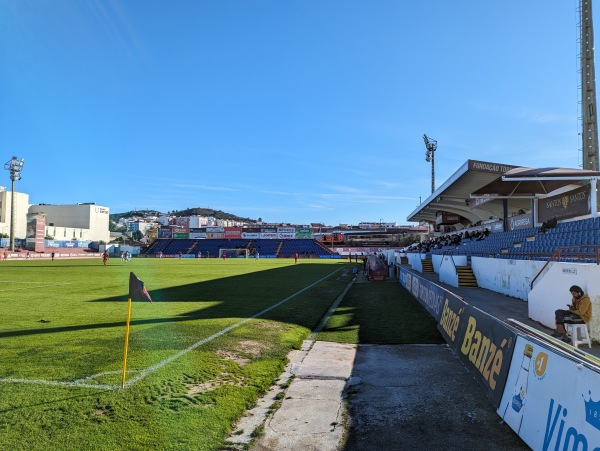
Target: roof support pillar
[(593, 198)]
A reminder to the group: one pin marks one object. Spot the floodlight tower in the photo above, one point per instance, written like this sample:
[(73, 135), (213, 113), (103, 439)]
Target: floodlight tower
[(589, 119), (14, 166), (431, 145)]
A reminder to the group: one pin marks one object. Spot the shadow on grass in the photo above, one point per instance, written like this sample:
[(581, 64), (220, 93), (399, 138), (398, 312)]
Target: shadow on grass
[(240, 296), (381, 313)]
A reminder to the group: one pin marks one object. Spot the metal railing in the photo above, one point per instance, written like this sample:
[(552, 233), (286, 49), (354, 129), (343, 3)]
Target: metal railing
[(581, 254)]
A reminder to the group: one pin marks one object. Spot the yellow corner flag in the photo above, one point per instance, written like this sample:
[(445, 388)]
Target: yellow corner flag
[(137, 290)]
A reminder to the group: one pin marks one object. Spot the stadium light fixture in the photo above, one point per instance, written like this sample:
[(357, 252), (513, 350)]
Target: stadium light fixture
[(14, 166), (431, 146)]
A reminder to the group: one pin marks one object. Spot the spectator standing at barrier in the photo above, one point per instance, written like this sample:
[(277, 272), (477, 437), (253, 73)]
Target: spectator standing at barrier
[(580, 312), (180, 255)]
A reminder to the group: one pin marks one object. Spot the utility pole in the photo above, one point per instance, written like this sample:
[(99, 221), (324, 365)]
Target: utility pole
[(431, 145)]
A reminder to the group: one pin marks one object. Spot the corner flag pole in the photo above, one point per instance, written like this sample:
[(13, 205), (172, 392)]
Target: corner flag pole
[(137, 290), (126, 342)]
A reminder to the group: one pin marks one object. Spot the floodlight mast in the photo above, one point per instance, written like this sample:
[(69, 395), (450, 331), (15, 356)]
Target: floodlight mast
[(588, 116), (14, 166), (431, 145), (589, 119)]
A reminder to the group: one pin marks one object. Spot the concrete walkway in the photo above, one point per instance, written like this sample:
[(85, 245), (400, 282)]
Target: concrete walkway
[(312, 413)]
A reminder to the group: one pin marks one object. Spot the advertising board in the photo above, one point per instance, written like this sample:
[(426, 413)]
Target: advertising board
[(429, 295), (286, 230), (165, 232), (481, 342), (522, 221), (566, 205), (233, 232), (304, 232), (286, 236), (551, 400)]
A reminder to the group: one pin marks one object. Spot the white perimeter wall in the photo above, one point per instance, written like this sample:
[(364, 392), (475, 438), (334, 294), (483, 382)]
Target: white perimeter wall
[(445, 266), (552, 292), (509, 277), (415, 260)]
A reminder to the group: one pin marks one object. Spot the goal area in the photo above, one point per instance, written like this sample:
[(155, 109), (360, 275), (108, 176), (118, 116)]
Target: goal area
[(233, 253)]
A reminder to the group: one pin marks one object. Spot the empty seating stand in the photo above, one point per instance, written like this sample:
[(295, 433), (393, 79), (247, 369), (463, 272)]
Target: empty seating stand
[(264, 247)]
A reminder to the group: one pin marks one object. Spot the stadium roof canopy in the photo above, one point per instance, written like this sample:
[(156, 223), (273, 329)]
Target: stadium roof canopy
[(479, 190), (520, 181)]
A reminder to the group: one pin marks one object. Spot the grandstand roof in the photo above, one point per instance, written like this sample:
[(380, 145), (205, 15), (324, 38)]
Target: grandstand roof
[(493, 183), (523, 180)]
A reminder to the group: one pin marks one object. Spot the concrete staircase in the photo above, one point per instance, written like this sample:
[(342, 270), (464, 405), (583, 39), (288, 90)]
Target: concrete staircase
[(466, 278), (427, 266)]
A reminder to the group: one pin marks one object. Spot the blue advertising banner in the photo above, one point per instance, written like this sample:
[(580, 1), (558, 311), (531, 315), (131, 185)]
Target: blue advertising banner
[(482, 343), (485, 346), (429, 295), (67, 244)]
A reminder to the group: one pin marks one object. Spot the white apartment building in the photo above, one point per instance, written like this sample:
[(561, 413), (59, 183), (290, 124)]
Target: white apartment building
[(87, 222), (21, 209), (141, 226)]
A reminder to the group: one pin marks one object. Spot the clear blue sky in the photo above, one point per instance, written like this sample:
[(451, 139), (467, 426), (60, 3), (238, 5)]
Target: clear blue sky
[(291, 111)]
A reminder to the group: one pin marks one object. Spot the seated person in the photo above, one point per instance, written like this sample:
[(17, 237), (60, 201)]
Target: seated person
[(549, 224), (580, 312)]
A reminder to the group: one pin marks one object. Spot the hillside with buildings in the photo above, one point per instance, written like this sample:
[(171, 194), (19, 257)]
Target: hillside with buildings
[(153, 215)]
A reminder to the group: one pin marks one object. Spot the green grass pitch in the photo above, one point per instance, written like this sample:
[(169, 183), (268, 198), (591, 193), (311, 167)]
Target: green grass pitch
[(215, 337)]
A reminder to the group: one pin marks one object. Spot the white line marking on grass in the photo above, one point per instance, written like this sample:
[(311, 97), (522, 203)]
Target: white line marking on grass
[(39, 283), (59, 383), (146, 372), (159, 365), (11, 285)]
